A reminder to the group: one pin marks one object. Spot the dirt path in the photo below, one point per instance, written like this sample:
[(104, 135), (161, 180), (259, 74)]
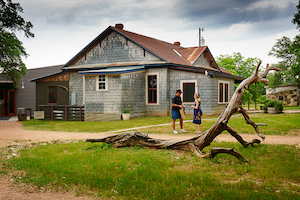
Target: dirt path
[(13, 131)]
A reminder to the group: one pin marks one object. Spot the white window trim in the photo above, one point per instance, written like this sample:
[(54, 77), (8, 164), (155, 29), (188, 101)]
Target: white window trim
[(224, 82), (146, 81), (83, 90), (188, 81), (106, 83)]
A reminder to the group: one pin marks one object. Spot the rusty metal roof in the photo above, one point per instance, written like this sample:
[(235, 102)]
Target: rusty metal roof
[(167, 52)]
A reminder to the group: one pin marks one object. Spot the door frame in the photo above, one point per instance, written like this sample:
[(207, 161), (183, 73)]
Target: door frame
[(5, 110), (8, 101)]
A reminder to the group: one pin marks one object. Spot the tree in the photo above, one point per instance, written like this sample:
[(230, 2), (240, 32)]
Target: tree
[(199, 142), (289, 52), (239, 66), (11, 49), (296, 19)]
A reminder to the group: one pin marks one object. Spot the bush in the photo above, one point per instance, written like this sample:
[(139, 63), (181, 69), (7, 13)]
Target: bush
[(273, 103), (262, 99)]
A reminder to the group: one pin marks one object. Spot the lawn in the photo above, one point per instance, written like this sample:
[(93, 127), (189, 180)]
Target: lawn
[(278, 124), (99, 170)]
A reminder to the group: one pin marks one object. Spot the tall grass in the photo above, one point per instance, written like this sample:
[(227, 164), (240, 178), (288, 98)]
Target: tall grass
[(139, 173)]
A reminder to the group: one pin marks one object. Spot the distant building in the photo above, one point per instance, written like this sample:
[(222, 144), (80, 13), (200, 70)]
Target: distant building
[(289, 94), (25, 96)]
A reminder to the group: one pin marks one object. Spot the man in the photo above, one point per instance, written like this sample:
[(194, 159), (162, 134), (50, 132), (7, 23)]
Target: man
[(176, 106)]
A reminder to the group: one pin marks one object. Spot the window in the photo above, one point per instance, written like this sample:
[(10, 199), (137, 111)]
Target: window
[(223, 92), (280, 98), (102, 83), (52, 94), (152, 88), (189, 88)]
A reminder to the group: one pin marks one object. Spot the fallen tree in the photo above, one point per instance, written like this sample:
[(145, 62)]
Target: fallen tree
[(199, 142)]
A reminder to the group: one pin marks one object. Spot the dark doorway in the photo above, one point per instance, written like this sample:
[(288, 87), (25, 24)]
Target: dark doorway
[(7, 102)]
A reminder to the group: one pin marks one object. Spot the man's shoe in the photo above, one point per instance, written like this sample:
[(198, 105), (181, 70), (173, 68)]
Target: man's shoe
[(182, 131), (175, 132)]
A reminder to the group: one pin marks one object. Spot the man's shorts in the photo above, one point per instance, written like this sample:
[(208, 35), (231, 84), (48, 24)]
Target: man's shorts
[(175, 114)]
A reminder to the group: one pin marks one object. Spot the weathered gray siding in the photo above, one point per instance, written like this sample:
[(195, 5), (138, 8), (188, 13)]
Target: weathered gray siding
[(162, 108), (133, 94), (103, 105), (202, 61), (76, 85), (115, 48)]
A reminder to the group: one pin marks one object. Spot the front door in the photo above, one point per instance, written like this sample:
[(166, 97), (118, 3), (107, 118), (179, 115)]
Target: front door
[(2, 102), (11, 102)]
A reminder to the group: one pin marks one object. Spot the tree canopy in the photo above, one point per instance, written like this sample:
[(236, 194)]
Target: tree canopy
[(243, 67), (288, 50), (11, 48)]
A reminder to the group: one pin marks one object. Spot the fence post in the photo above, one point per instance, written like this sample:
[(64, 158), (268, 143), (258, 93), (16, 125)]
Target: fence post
[(66, 113), (51, 113), (80, 115)]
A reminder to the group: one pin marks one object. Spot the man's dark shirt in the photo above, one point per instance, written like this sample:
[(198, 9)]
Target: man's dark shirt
[(176, 100)]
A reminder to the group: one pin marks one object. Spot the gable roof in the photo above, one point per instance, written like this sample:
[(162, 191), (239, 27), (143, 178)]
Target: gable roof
[(167, 52)]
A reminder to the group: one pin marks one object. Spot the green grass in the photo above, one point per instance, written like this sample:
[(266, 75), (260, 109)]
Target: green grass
[(139, 173), (94, 127), (278, 124), (252, 106)]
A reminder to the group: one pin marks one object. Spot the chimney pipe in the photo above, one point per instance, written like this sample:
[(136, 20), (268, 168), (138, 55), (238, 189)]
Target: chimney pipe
[(177, 43), (119, 26)]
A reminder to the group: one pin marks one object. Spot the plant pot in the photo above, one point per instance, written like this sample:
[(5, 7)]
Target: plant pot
[(272, 110), (125, 116)]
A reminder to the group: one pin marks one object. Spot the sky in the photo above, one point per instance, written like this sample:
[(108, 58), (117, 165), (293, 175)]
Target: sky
[(64, 28)]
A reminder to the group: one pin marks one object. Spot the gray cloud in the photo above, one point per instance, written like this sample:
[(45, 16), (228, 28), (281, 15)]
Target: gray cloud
[(223, 13)]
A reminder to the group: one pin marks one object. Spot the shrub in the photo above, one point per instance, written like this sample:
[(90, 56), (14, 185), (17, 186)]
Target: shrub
[(273, 103), (126, 111)]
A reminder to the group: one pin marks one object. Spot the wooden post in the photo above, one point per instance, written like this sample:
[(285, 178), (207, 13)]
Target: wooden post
[(51, 113), (249, 98), (80, 115), (255, 96), (66, 113)]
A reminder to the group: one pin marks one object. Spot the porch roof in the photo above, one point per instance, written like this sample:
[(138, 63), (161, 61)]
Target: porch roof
[(113, 70)]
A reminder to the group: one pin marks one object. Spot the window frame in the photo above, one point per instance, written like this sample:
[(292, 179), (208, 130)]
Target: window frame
[(182, 82), (105, 82), (157, 88), (224, 97), (52, 94)]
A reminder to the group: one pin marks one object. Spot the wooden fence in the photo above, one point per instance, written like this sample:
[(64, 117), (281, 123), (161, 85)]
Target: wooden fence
[(63, 113)]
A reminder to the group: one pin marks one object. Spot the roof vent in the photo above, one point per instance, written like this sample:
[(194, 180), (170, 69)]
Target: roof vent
[(119, 26), (177, 43)]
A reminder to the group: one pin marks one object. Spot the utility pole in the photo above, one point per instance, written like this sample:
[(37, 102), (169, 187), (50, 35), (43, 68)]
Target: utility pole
[(200, 38)]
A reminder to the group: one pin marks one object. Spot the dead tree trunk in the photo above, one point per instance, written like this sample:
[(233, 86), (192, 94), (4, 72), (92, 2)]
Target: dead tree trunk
[(199, 142)]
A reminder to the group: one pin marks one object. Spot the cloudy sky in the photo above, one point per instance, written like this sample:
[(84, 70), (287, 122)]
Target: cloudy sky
[(63, 28)]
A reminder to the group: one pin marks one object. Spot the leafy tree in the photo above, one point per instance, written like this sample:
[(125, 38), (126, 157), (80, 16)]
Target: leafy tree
[(11, 49), (289, 52), (239, 66), (296, 19)]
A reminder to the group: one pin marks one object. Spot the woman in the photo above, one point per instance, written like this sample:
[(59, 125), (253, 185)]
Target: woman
[(197, 112)]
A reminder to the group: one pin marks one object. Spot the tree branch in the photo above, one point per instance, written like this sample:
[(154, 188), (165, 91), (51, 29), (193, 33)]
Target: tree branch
[(215, 151), (249, 121)]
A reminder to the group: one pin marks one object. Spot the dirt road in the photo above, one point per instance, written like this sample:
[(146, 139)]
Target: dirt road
[(13, 131)]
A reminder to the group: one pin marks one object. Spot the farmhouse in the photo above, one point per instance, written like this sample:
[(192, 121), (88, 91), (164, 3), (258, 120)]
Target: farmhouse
[(122, 70)]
